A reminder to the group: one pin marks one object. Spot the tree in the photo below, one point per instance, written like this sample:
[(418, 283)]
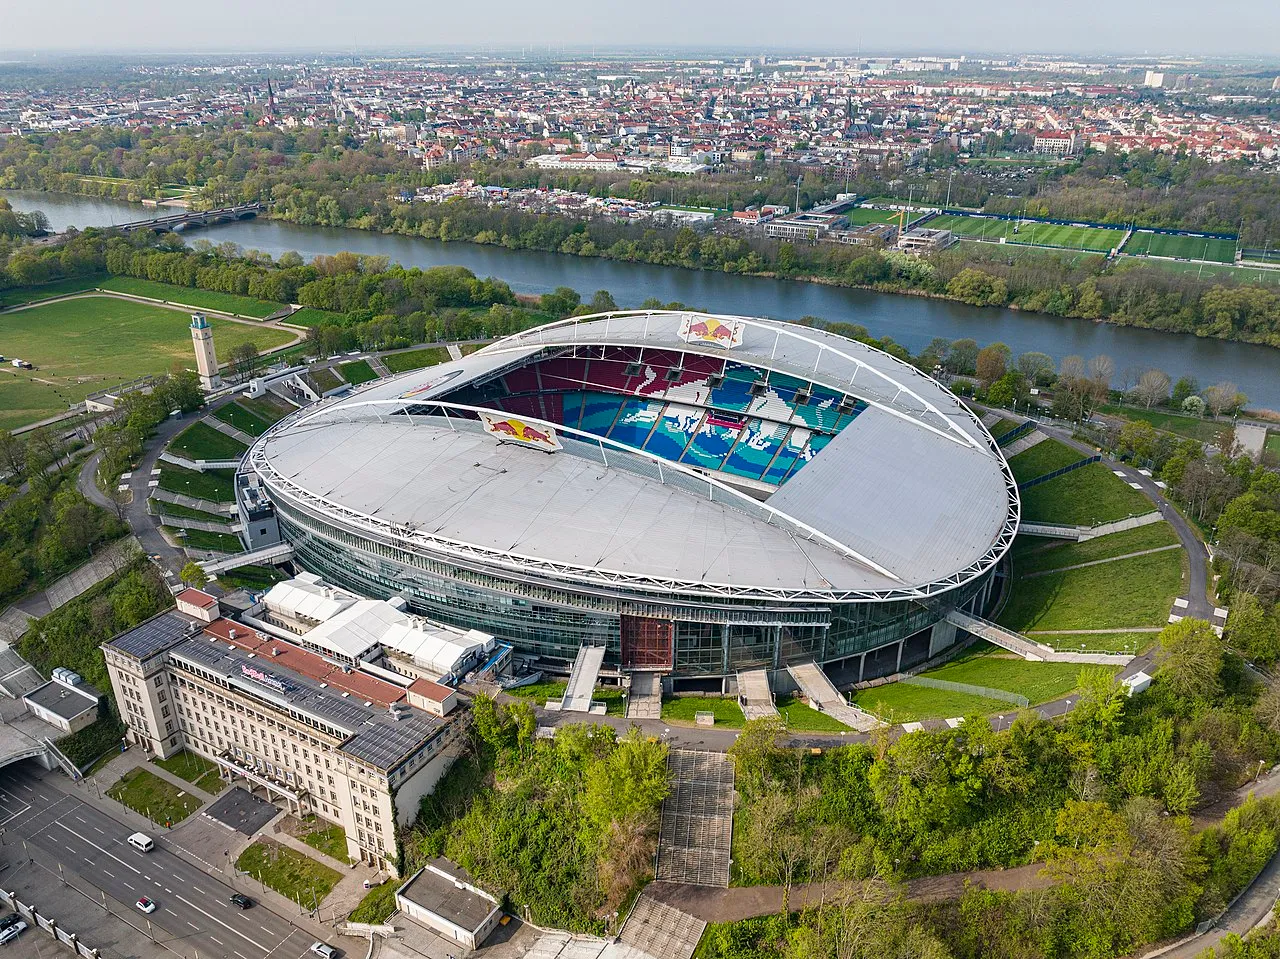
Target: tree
[(1152, 388), (1192, 659), (13, 454), (962, 358), (1193, 406), (194, 575), (1101, 369), (1036, 367), (1009, 389), (1185, 387), (992, 363), (244, 361), (1220, 398)]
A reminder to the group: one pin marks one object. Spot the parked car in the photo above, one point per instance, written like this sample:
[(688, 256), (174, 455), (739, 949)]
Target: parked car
[(237, 899), (324, 950), (9, 920), (146, 905), (10, 933)]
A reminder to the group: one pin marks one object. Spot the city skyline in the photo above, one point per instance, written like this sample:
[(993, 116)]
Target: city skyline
[(1093, 27)]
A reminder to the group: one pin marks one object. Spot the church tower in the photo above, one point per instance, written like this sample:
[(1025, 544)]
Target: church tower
[(206, 358)]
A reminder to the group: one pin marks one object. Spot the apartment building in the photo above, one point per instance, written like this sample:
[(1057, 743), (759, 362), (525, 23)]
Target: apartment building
[(314, 734)]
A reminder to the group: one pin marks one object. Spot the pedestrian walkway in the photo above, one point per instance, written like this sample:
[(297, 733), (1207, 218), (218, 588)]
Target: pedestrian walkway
[(755, 695), (191, 502), (454, 352), (1024, 443), (228, 430), (697, 819), (824, 697), (661, 930), (378, 366), (1101, 562), (582, 680), (644, 699), (1027, 649), (14, 624)]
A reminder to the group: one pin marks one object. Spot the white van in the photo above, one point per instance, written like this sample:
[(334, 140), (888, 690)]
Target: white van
[(141, 842)]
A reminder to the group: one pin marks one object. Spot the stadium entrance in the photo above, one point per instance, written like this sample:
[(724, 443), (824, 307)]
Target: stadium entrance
[(647, 643)]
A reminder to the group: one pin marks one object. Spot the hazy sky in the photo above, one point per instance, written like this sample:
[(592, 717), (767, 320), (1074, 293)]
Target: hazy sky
[(1120, 26)]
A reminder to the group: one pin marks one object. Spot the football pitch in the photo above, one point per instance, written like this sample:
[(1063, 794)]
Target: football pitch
[(1030, 232), (1182, 247), (861, 216), (91, 342)]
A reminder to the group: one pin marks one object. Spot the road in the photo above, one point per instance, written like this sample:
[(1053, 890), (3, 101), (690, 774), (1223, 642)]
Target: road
[(193, 917)]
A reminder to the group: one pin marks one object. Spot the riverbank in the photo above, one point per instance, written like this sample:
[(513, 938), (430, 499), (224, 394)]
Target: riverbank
[(911, 321)]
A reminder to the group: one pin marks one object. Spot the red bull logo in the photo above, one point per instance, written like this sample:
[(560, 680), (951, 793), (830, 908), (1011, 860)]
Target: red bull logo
[(430, 385), (518, 431), (708, 329)]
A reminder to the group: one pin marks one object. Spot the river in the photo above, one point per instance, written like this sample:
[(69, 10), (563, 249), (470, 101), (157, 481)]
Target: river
[(911, 321)]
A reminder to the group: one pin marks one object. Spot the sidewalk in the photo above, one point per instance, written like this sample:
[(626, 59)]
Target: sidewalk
[(346, 895)]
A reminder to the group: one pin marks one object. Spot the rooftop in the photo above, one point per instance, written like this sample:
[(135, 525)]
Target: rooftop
[(433, 889), (63, 700)]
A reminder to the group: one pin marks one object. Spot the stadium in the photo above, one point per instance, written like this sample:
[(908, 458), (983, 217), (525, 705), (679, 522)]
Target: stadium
[(698, 494)]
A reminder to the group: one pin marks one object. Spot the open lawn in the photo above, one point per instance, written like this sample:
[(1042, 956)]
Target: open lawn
[(415, 359), (1011, 252), (378, 903), (200, 539), (1084, 497), (323, 379), (329, 838), (985, 665), (158, 799), (1273, 442), (804, 718), (1000, 427), (1192, 427), (173, 514), (1042, 459), (1182, 247), (214, 485), (901, 703), (238, 416), (357, 372), (541, 692), (1130, 643), (1129, 592), (85, 344), (1058, 554), (200, 441), (861, 216), (251, 577), (45, 291), (194, 769), (1221, 272), (268, 407), (310, 316), (288, 872), (684, 709), (189, 296)]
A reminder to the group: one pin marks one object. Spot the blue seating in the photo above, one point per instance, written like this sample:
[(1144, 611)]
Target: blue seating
[(674, 429), (713, 440)]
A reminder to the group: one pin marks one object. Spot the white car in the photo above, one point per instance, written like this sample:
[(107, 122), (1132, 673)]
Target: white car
[(146, 905), (12, 932), (324, 950)]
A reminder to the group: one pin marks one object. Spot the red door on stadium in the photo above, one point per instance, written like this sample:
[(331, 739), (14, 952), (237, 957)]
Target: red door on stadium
[(647, 643)]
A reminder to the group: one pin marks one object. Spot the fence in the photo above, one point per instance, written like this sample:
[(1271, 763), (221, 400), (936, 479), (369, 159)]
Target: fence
[(1088, 460), (1004, 439), (1001, 694), (37, 921)]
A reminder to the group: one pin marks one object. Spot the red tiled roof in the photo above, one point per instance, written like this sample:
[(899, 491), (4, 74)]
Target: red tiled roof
[(196, 597)]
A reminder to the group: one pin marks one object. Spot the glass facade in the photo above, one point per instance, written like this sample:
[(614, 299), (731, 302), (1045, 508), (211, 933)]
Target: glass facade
[(711, 638)]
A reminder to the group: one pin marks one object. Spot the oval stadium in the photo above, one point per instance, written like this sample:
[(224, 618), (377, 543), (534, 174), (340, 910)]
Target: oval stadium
[(698, 495)]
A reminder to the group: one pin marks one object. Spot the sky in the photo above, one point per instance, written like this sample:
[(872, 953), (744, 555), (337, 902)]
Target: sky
[(1132, 27)]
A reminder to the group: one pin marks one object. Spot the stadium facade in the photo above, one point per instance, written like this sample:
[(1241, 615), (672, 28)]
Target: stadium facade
[(699, 494)]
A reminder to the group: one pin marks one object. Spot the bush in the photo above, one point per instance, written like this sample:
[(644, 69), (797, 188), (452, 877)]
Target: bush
[(88, 744)]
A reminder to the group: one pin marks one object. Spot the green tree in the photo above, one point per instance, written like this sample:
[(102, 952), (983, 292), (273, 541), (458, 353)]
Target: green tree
[(1192, 659), (193, 574)]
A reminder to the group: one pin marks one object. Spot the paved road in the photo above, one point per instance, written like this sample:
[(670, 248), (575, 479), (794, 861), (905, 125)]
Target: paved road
[(193, 915)]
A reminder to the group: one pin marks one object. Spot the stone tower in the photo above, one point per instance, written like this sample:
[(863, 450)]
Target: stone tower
[(206, 358)]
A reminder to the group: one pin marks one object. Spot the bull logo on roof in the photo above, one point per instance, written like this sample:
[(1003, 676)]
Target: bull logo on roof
[(708, 329), (512, 430), (429, 385)]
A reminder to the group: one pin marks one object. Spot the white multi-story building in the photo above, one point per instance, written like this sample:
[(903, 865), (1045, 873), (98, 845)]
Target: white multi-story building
[(356, 747)]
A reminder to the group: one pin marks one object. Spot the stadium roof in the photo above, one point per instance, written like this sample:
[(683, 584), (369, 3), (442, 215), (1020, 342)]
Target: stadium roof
[(910, 498)]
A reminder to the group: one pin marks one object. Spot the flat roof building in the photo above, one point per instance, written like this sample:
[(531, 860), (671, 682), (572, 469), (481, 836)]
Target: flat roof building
[(924, 240), (70, 707), (439, 896)]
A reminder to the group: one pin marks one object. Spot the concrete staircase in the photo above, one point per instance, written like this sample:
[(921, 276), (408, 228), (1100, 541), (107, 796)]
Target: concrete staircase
[(1082, 533), (755, 695), (1024, 443), (997, 635), (227, 429), (644, 699), (824, 697), (582, 680)]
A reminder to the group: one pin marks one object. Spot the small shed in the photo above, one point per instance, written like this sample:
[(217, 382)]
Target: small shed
[(439, 897)]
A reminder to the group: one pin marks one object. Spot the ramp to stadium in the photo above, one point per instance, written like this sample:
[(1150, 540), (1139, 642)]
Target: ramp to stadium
[(582, 681), (997, 635), (824, 697), (754, 694), (644, 698)]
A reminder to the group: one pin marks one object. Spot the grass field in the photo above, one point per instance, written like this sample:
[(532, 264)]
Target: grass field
[(1057, 554), (1273, 442), (328, 838), (803, 718), (267, 407), (985, 665), (213, 485), (1041, 459), (357, 372), (252, 577), (1130, 643), (194, 769), (323, 379), (900, 703), (1128, 592), (1182, 247), (236, 415), (1084, 497), (200, 441), (33, 294), (173, 514), (1000, 427), (91, 342), (684, 709), (1251, 276), (415, 359), (288, 872), (217, 542), (378, 903), (861, 216), (1017, 251), (539, 693), (1030, 233), (189, 296), (310, 316), (1192, 427), (158, 799)]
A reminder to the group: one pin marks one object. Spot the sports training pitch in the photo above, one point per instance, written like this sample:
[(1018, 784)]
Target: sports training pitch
[(88, 343), (1030, 233), (1182, 247)]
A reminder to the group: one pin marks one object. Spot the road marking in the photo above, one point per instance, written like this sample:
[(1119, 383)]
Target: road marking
[(99, 848), (67, 848), (82, 820), (128, 883), (252, 942), (194, 926), (112, 875), (99, 831), (198, 891), (216, 939), (240, 954), (265, 929)]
